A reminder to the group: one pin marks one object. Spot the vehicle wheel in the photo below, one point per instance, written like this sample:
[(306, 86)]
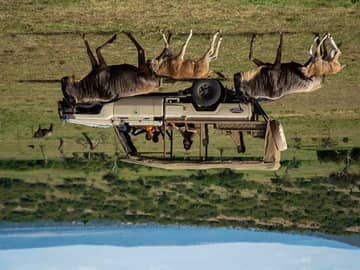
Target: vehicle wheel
[(206, 93)]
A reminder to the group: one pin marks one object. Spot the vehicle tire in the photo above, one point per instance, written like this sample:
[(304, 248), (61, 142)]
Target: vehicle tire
[(206, 93)]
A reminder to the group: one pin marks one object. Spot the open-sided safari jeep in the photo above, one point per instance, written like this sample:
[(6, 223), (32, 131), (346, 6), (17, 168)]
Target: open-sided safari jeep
[(193, 111)]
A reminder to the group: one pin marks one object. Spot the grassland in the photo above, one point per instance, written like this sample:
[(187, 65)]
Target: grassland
[(39, 40), (219, 198)]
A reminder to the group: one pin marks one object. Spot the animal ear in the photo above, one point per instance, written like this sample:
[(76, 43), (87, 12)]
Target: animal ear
[(72, 78)]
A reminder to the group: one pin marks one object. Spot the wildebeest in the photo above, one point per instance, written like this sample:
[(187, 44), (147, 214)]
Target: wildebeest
[(106, 83), (175, 67), (275, 80), (43, 132)]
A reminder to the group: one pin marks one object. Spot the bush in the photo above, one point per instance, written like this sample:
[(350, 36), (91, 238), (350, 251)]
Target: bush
[(292, 164), (163, 199), (343, 178), (6, 182), (75, 179), (355, 154), (332, 155), (110, 177)]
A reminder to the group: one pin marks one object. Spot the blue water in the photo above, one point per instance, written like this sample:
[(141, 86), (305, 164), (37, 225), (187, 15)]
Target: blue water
[(25, 237)]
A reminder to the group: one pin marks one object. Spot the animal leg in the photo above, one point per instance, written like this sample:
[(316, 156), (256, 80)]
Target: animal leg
[(334, 48), (98, 52), (312, 55), (277, 62), (166, 39), (317, 41), (255, 60), (183, 48), (93, 61), (140, 50), (167, 51), (210, 52), (324, 51), (318, 48), (215, 54), (214, 40), (212, 44)]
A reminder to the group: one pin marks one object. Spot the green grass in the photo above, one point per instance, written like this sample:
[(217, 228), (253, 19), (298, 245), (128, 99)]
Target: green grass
[(40, 41)]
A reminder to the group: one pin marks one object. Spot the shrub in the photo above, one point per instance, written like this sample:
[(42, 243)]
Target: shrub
[(355, 154), (331, 155), (6, 182), (110, 177)]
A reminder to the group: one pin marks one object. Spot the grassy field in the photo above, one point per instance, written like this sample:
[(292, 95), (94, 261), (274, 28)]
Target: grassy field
[(40, 40), (219, 198)]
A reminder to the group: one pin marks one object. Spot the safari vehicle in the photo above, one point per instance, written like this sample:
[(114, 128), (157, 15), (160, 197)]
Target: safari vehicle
[(206, 104)]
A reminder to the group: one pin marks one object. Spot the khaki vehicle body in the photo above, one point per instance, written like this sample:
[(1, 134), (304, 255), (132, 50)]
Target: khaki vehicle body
[(154, 110)]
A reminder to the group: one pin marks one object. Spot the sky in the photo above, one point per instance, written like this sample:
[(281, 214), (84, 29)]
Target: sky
[(245, 256), (169, 248)]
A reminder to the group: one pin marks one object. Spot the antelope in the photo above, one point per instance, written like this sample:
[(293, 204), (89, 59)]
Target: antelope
[(176, 67), (323, 64), (107, 83), (43, 132), (274, 80)]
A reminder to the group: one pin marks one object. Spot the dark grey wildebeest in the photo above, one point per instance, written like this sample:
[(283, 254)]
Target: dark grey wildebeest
[(274, 80), (106, 83)]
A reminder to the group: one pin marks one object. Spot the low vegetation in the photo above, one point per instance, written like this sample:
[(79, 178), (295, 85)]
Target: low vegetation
[(220, 198)]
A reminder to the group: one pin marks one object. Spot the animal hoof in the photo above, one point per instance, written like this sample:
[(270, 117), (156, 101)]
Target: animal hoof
[(113, 38)]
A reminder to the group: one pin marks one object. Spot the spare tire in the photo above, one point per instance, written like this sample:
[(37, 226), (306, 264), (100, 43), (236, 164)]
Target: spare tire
[(206, 93)]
